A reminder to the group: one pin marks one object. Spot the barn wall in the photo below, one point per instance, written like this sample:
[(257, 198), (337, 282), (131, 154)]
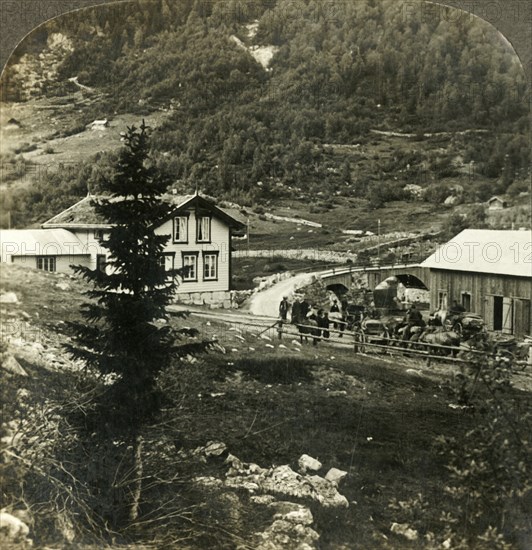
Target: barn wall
[(482, 287)]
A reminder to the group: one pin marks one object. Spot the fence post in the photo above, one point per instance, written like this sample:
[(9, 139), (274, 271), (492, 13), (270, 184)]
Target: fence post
[(280, 329)]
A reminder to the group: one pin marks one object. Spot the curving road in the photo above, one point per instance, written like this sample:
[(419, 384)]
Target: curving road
[(266, 302)]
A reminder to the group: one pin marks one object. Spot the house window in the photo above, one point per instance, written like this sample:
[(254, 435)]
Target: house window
[(46, 263), (466, 301), (166, 261), (101, 262), (210, 267), (181, 229), (204, 229), (190, 264), (98, 234)]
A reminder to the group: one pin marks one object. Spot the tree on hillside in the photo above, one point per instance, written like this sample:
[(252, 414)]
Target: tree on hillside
[(121, 338)]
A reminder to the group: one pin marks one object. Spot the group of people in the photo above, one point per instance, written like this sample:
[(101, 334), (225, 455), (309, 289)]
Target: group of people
[(303, 313), (413, 318)]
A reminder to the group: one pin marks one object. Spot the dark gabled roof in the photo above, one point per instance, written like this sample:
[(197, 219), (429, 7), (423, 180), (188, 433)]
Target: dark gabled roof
[(83, 215), (202, 202), (80, 214)]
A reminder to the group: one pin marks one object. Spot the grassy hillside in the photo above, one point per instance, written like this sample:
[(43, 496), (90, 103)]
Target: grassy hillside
[(269, 402), (299, 126)]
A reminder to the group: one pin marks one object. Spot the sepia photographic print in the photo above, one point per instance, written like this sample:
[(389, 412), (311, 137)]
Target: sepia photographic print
[(265, 275)]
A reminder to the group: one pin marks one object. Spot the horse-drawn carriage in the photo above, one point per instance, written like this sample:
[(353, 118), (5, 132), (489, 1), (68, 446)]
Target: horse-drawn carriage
[(466, 324)]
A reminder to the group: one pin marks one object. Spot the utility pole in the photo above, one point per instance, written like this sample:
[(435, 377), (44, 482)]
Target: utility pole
[(247, 231), (379, 242)]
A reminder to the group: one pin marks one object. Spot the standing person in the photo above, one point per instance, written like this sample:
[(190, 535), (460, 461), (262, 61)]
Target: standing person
[(295, 315), (345, 305), (335, 314), (283, 308), (304, 308), (413, 318), (325, 324), (315, 318)]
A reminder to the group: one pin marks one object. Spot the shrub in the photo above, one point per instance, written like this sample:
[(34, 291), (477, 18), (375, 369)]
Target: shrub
[(25, 148), (275, 268), (275, 370)]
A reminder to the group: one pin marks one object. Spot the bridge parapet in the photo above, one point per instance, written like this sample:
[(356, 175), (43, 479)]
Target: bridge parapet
[(372, 276)]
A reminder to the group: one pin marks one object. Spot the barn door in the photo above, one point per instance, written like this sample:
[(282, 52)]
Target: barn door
[(522, 317), (488, 311), (498, 313), (507, 315)]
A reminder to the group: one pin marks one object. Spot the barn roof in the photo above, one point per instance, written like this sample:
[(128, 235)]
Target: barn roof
[(83, 215), (40, 242), (498, 252)]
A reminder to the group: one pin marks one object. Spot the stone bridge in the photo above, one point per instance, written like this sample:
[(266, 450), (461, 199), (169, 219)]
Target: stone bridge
[(341, 279)]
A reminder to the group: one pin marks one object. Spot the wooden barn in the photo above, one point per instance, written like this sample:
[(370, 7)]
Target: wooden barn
[(489, 272)]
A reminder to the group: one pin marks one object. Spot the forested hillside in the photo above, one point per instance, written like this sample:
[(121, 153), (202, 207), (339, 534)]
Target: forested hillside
[(248, 131)]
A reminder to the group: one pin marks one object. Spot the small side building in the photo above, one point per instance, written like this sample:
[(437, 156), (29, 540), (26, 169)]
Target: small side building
[(489, 272), (497, 203), (46, 249)]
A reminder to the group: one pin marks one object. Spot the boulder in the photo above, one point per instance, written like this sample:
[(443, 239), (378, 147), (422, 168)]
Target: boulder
[(14, 529), (290, 528), (62, 285), (335, 476), (326, 493), (8, 298), (307, 463), (10, 364), (404, 530), (290, 511), (215, 449)]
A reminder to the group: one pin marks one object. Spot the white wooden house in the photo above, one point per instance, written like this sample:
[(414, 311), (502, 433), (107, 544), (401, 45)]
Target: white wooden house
[(200, 238)]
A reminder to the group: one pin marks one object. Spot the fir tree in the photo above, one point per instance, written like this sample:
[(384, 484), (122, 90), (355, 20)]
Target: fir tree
[(121, 337)]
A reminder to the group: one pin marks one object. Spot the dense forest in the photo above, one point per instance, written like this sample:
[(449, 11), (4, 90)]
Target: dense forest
[(339, 70)]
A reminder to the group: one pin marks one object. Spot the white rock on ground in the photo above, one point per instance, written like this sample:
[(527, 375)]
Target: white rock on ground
[(282, 480), (307, 463), (214, 448), (10, 364), (62, 285), (290, 528), (8, 298), (14, 528), (336, 476), (404, 530)]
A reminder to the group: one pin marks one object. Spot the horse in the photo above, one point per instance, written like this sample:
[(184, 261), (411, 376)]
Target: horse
[(440, 337)]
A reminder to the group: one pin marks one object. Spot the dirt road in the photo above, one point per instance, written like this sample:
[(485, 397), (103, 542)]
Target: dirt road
[(267, 301)]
